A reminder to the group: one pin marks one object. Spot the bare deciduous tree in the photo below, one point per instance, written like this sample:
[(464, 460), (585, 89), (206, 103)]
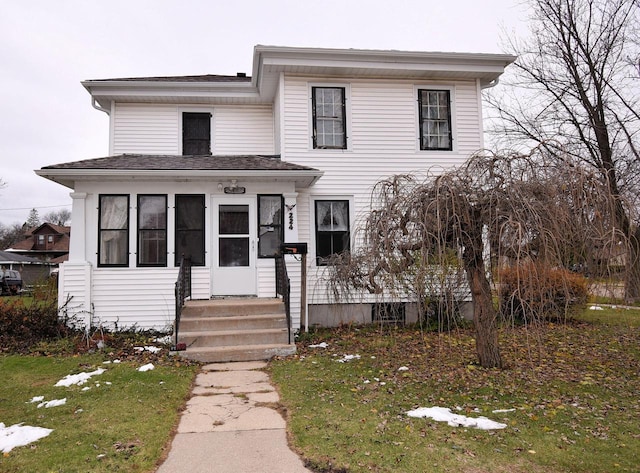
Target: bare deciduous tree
[(576, 91), (58, 217), (424, 234)]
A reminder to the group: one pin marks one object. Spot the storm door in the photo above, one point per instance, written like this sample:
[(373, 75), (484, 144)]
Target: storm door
[(234, 252)]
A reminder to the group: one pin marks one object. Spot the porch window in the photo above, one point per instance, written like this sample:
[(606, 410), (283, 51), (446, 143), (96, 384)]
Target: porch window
[(196, 133), (113, 230), (152, 230), (270, 225), (435, 119), (329, 124), (190, 229), (332, 228)]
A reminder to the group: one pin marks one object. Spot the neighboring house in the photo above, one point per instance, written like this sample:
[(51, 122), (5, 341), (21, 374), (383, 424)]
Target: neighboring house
[(226, 168), (47, 242), (32, 270)]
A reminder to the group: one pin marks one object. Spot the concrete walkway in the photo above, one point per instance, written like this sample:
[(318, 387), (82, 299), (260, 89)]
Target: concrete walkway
[(230, 425)]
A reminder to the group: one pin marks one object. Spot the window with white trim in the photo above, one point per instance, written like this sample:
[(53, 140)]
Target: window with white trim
[(196, 133), (332, 229), (329, 117), (270, 225), (113, 230), (190, 209), (434, 107), (152, 230)]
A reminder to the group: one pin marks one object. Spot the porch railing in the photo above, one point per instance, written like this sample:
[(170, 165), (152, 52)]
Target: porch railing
[(283, 288), (182, 291)]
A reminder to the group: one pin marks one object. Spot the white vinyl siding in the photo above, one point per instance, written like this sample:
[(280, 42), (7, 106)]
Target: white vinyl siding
[(146, 129), (121, 301), (243, 130), (156, 129), (384, 141)]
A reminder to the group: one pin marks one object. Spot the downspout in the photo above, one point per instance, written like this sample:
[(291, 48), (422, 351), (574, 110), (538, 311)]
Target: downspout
[(491, 84), (97, 106)]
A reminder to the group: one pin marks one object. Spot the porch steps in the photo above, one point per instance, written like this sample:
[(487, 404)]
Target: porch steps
[(234, 329)]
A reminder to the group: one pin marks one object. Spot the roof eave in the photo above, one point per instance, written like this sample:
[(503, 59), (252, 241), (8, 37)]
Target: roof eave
[(68, 177)]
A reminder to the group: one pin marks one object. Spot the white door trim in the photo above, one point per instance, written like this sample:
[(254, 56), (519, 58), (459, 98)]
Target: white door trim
[(234, 280)]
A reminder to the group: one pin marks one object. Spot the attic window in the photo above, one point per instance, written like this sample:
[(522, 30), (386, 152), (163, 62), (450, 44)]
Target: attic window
[(196, 134)]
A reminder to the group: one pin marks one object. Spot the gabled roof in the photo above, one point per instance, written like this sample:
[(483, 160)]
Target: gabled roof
[(171, 167), (60, 229), (269, 62)]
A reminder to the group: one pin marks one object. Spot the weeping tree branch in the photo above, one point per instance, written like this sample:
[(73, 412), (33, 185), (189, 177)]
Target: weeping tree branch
[(428, 236)]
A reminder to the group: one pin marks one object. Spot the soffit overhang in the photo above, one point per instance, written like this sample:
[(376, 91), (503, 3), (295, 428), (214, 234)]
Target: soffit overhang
[(270, 62)]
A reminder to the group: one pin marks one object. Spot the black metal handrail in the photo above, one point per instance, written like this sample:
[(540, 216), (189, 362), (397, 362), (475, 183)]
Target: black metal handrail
[(182, 291), (283, 288)]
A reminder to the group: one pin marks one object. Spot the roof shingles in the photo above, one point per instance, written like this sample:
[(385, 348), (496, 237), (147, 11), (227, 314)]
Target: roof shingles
[(145, 162)]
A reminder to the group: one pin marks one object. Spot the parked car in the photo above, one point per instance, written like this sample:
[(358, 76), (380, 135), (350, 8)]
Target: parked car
[(10, 281)]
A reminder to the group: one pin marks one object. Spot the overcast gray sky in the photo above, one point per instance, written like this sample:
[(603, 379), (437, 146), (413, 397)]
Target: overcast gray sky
[(47, 47)]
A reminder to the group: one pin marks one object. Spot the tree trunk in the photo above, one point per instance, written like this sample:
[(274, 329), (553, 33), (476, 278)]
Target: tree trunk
[(484, 315), (632, 273), (484, 319)]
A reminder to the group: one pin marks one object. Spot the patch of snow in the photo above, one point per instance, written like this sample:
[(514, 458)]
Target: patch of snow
[(320, 345), (148, 348), (86, 388), (117, 361), (366, 381), (500, 411), (403, 368), (37, 399), (147, 367), (18, 435), (53, 403), (79, 378), (595, 307), (444, 414), (346, 358), (167, 339)]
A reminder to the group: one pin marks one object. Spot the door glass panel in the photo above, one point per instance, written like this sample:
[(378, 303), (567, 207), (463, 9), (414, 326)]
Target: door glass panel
[(233, 251), (234, 220)]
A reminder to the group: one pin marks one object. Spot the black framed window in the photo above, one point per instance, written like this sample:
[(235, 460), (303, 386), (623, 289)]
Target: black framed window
[(113, 230), (270, 225), (190, 228), (152, 230), (329, 123), (332, 228), (196, 133), (435, 119)]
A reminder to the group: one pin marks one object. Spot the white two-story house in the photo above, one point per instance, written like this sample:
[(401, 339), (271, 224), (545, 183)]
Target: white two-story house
[(226, 168)]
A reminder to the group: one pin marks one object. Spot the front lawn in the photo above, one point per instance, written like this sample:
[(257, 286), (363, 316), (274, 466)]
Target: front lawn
[(123, 422), (569, 399)]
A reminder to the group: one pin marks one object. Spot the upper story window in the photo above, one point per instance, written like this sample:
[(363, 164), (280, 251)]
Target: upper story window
[(113, 230), (152, 230), (435, 119), (329, 118), (196, 133), (270, 225), (332, 228), (190, 229)]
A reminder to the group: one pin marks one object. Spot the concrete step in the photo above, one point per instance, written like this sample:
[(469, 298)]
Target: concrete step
[(219, 338), (238, 353), (229, 307), (233, 322)]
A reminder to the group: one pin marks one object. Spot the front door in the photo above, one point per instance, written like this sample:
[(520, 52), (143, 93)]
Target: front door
[(234, 246)]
